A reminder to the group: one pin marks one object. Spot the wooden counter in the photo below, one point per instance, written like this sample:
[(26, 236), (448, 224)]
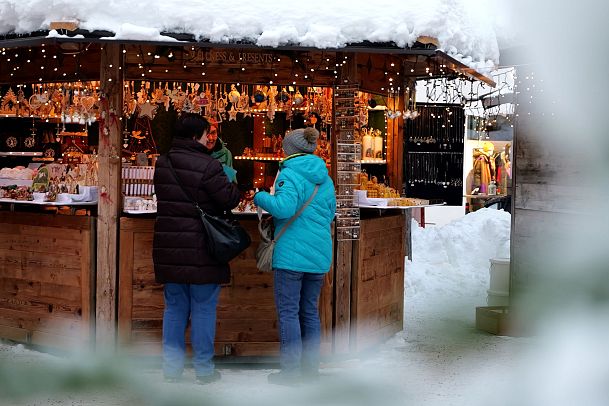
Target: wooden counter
[(377, 283), (46, 275), (247, 321)]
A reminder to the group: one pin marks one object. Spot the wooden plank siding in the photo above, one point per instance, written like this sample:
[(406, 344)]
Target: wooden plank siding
[(246, 315), (46, 276), (377, 300), (549, 198)]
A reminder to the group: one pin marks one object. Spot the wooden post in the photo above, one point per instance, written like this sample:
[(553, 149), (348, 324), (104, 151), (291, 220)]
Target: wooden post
[(109, 195), (344, 249)]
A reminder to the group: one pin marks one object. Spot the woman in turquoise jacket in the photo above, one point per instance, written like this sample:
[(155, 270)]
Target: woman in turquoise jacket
[(303, 254)]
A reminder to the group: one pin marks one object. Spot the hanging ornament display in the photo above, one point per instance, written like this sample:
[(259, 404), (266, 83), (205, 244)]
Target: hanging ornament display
[(232, 114), (9, 103), (147, 109), (298, 98), (234, 96), (30, 141), (141, 139), (11, 142), (259, 96)]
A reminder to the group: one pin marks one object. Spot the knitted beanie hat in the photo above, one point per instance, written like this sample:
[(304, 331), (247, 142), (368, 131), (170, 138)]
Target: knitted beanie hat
[(302, 140)]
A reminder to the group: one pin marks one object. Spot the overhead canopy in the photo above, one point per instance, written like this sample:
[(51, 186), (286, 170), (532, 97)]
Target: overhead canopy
[(380, 66)]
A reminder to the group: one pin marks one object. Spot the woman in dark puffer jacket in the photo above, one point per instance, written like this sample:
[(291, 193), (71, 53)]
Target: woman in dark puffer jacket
[(191, 276)]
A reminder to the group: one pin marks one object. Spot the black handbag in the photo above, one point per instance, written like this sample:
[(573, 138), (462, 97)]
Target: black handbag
[(226, 238)]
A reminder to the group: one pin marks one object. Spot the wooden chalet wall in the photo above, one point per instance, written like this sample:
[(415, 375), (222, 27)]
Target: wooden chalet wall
[(246, 317), (46, 279), (546, 201)]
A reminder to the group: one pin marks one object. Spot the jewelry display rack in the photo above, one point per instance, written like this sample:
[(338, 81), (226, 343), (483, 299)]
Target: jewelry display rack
[(348, 163)]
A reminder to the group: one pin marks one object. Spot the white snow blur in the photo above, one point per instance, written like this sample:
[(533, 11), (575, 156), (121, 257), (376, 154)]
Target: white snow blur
[(465, 28)]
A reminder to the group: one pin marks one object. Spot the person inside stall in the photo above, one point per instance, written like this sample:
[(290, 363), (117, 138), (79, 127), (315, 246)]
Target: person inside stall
[(191, 276), (303, 254), (219, 151)]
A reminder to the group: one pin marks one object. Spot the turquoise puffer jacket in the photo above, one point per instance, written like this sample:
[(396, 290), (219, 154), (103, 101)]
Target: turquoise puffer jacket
[(306, 245)]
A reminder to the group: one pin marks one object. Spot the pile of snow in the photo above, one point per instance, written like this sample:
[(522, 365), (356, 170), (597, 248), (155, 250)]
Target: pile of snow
[(464, 28), (452, 261)]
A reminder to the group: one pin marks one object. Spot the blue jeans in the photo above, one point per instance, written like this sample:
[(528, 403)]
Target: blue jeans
[(296, 298), (197, 302)]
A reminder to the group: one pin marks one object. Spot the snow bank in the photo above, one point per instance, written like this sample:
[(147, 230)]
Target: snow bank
[(465, 28), (453, 260)]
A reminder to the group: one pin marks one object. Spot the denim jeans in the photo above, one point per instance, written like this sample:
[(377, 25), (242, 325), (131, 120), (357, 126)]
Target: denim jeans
[(296, 298), (197, 302)]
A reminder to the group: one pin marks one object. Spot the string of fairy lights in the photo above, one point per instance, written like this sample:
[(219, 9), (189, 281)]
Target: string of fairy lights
[(64, 63)]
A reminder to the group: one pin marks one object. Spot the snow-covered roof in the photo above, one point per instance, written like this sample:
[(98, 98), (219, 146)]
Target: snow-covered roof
[(464, 28)]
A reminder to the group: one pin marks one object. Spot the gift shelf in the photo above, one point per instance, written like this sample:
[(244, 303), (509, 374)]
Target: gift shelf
[(42, 203)]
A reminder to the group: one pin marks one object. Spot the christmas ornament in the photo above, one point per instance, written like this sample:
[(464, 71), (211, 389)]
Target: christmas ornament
[(11, 142), (147, 109), (298, 99), (232, 113), (234, 95)]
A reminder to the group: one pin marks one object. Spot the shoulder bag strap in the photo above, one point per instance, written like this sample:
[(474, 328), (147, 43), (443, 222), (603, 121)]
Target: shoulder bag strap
[(295, 216)]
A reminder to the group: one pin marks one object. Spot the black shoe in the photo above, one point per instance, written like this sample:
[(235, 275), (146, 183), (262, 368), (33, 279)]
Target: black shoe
[(285, 379), (205, 379)]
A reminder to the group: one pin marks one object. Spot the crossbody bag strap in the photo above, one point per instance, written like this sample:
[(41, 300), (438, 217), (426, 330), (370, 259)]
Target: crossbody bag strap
[(175, 175), (295, 216)]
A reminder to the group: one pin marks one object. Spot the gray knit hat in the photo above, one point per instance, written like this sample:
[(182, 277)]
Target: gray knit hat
[(302, 140)]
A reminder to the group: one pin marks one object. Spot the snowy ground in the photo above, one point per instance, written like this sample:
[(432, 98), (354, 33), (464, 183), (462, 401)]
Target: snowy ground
[(439, 359)]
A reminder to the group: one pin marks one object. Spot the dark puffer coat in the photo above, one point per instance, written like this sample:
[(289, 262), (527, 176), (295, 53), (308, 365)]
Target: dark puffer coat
[(179, 252)]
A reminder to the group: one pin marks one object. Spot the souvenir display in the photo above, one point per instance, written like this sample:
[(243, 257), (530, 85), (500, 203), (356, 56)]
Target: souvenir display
[(15, 192)]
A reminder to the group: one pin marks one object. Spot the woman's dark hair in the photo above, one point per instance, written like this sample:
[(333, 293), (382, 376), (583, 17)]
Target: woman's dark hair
[(191, 126)]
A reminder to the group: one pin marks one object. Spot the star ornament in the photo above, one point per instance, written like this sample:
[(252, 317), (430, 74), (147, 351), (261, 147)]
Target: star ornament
[(232, 113), (148, 109)]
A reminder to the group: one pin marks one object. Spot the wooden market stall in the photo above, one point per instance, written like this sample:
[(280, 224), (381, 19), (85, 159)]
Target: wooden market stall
[(111, 265)]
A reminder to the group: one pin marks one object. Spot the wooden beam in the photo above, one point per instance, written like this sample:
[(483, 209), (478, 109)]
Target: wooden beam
[(69, 25), (109, 195)]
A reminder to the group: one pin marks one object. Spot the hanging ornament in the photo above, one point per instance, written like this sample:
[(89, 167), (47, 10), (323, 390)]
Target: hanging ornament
[(9, 103), (147, 109), (244, 101), (30, 141), (11, 142), (232, 113), (271, 112), (259, 96), (298, 99), (282, 97), (234, 95)]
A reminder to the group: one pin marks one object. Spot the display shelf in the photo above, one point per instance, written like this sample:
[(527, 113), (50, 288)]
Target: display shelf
[(39, 203), (374, 161), (365, 206), (258, 158), (139, 211), (47, 119), (142, 212), (21, 153)]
